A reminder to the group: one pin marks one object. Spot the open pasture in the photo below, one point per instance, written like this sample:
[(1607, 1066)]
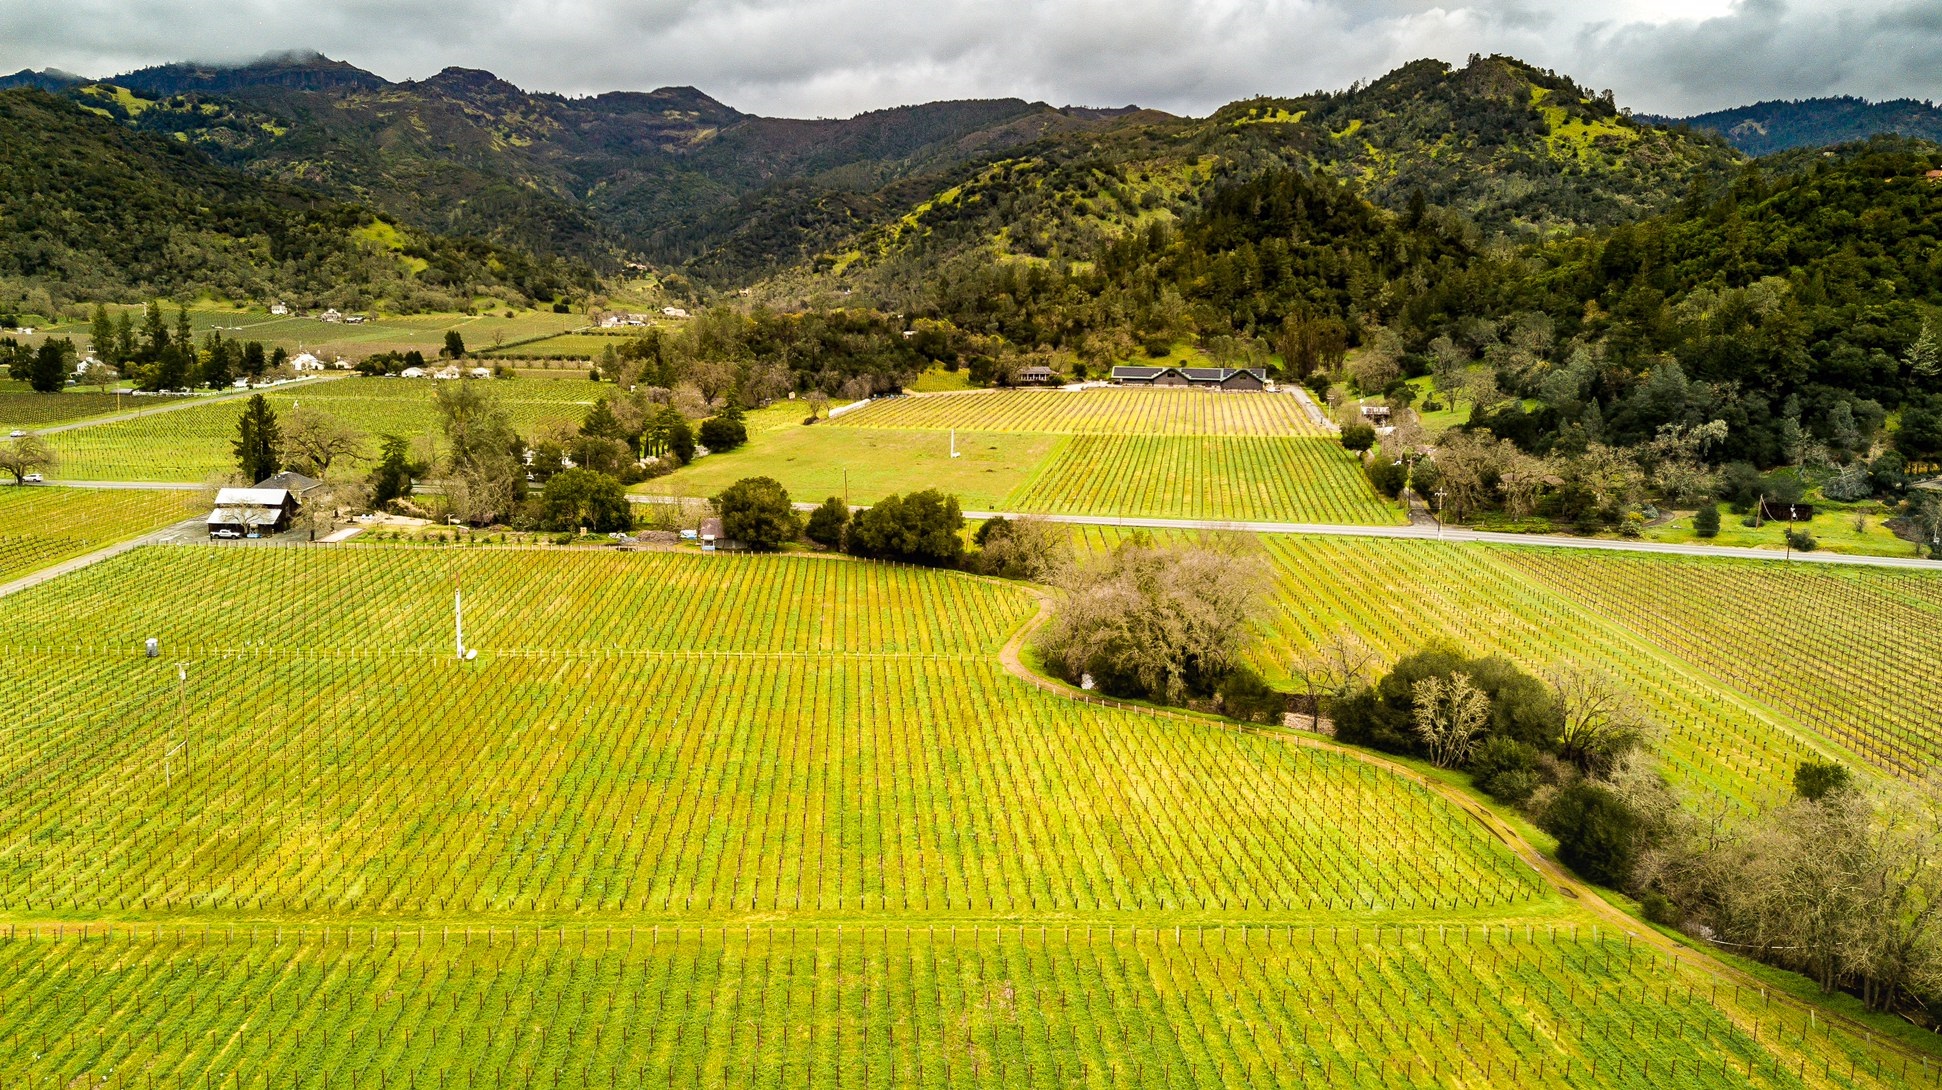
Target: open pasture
[(1117, 410), (42, 525), (819, 461), (193, 444)]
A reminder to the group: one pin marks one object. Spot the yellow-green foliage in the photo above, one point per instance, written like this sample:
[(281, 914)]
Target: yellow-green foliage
[(1570, 136), (1270, 115), (383, 235), (131, 103)]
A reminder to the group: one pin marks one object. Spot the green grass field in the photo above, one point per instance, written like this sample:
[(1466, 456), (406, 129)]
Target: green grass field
[(583, 345), (812, 463), (746, 821), (194, 443), (42, 525)]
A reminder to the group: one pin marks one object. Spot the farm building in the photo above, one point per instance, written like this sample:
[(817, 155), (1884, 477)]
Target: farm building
[(712, 537), (240, 512), (1376, 414), (1035, 375), (304, 361), (1213, 378), (292, 482)]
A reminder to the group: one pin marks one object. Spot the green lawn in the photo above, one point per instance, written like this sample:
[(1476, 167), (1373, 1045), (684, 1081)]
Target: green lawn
[(811, 461), (1833, 529)]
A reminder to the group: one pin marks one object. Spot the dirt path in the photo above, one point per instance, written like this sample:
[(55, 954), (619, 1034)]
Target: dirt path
[(1567, 886)]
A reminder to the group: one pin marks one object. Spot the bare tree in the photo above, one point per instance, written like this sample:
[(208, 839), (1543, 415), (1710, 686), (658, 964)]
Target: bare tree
[(1448, 715), (818, 404), (326, 504), (103, 376), (27, 454), (1332, 670), (1602, 720), (313, 440)]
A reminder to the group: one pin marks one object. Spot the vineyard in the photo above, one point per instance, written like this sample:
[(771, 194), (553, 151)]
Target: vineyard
[(1137, 453), (1228, 479), (1751, 665), (193, 444), (43, 525), (1116, 410), (723, 821), (30, 411), (968, 1004)]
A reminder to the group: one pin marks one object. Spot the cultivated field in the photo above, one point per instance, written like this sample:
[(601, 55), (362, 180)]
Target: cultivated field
[(740, 821), (1852, 672), (1117, 410), (30, 410), (1183, 454), (194, 443), (42, 525), (1268, 480)]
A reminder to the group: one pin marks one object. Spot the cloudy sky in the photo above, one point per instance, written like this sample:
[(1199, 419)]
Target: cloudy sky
[(809, 58)]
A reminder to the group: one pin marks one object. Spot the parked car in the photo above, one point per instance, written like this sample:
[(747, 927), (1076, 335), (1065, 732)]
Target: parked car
[(31, 478), (226, 531), (16, 434)]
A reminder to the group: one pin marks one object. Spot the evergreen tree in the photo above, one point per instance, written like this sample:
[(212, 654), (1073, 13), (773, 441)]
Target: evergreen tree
[(391, 480), (454, 344), (185, 336), (155, 333), (253, 361), (171, 371), (101, 337), (217, 370), (257, 440), (124, 339), (1706, 520), (50, 368)]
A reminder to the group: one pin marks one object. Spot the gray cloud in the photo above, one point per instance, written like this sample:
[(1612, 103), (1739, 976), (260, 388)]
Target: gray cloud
[(837, 57)]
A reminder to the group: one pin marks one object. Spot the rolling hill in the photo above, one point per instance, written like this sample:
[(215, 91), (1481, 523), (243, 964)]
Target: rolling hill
[(1765, 128)]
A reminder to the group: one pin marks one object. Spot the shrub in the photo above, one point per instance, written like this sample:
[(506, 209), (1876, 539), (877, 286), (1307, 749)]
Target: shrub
[(1598, 835), (1245, 696), (1505, 769), (725, 431), (1815, 780), (1801, 540), (1358, 436), (1706, 520), (828, 523), (1658, 908)]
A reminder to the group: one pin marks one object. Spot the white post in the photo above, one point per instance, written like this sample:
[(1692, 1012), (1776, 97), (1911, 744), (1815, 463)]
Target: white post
[(458, 618), (954, 442)]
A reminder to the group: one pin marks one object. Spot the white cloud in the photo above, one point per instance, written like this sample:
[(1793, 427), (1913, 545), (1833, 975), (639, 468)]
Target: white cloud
[(836, 57)]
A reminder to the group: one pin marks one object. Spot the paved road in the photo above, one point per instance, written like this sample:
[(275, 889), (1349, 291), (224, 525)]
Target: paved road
[(177, 404), (1432, 532)]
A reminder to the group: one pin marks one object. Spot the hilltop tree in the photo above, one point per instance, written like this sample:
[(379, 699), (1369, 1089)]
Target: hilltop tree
[(454, 345), (258, 441)]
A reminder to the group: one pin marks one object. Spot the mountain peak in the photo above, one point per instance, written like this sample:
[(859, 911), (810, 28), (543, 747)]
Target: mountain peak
[(296, 69)]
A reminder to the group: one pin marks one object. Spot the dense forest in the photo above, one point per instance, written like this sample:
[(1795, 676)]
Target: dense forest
[(93, 211)]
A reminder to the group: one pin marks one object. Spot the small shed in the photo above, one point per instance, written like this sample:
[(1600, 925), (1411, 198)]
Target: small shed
[(1775, 511), (1036, 374), (711, 534)]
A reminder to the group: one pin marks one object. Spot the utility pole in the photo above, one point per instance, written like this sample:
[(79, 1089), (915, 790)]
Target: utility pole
[(1440, 495)]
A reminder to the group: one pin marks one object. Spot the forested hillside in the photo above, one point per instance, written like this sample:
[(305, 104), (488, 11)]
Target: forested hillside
[(1768, 127), (93, 211), (1788, 305)]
